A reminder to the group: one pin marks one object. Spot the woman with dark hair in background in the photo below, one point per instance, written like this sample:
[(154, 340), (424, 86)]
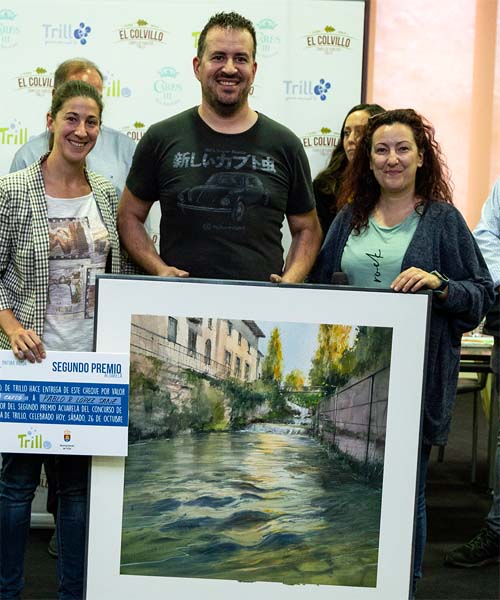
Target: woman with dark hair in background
[(327, 183), (57, 231), (398, 229)]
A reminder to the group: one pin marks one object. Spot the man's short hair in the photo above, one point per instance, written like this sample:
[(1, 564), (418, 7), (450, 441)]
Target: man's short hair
[(226, 20), (73, 66)]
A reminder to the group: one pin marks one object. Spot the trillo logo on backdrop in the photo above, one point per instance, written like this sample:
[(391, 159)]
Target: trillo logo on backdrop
[(113, 87), (66, 33), (13, 134), (307, 89)]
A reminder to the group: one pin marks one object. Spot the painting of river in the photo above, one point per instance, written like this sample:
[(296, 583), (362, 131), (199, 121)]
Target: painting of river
[(251, 506), (236, 468)]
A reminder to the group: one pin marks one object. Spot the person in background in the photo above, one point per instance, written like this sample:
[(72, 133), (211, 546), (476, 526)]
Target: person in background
[(484, 548), (57, 232), (225, 176), (398, 229), (327, 183), (110, 157), (113, 152)]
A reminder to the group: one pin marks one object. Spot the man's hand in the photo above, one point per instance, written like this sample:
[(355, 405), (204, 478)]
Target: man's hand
[(167, 271)]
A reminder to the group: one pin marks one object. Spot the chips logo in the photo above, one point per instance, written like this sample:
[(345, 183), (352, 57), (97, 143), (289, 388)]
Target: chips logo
[(268, 41), (323, 141), (167, 90), (67, 435), (66, 33), (141, 34), (329, 40), (307, 90), (13, 135), (9, 31), (38, 81), (136, 131)]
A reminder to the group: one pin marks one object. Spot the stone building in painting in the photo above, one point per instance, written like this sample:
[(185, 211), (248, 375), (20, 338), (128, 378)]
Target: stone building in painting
[(218, 347)]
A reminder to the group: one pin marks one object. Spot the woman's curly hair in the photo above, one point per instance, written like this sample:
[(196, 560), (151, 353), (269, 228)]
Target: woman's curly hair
[(432, 182)]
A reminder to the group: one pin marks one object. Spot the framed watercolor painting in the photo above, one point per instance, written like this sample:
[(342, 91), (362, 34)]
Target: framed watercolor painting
[(273, 441)]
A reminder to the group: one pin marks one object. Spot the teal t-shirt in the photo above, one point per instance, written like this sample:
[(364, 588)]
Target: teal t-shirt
[(374, 258)]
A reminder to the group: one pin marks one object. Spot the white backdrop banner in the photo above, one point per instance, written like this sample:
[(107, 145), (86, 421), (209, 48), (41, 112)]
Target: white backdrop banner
[(309, 55)]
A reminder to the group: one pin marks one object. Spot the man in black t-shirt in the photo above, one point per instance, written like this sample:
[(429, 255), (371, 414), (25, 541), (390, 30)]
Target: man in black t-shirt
[(225, 177)]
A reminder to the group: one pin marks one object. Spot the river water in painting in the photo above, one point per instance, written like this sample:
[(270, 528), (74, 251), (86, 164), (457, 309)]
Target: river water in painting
[(251, 506)]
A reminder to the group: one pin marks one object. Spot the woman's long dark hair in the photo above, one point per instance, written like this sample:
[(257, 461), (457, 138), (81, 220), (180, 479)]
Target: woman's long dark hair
[(328, 181), (432, 181)]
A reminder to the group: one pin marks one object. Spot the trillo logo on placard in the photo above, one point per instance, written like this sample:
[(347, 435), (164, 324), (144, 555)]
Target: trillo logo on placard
[(136, 131), (67, 435), (32, 440), (9, 31), (322, 141), (329, 39), (14, 134), (167, 89), (39, 81), (268, 40), (307, 89), (66, 33), (141, 34)]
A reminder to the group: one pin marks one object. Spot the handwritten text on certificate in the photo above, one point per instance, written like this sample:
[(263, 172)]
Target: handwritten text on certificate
[(71, 403)]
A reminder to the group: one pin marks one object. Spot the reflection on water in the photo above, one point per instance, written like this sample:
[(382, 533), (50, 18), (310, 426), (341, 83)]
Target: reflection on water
[(251, 506)]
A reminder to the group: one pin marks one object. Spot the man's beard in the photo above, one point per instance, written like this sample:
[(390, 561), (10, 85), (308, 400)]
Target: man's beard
[(226, 109)]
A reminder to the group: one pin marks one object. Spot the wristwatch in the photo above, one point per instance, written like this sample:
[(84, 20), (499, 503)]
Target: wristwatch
[(444, 282)]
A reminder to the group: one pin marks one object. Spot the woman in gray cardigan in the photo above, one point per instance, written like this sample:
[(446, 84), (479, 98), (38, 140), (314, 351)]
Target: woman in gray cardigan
[(398, 229), (57, 231)]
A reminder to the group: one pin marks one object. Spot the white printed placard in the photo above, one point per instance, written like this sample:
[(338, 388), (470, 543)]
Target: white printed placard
[(70, 403)]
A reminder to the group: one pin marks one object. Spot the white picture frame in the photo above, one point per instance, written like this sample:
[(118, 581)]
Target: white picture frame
[(119, 297)]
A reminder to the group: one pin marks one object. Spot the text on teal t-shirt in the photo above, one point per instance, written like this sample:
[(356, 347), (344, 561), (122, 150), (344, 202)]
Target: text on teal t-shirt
[(374, 257)]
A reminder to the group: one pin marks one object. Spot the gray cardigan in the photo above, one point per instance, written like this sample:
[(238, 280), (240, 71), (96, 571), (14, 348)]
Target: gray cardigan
[(442, 242)]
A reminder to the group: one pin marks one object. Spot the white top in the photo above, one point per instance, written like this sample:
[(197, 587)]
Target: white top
[(79, 247)]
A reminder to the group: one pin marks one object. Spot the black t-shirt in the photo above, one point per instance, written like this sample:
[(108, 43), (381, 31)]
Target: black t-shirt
[(223, 196)]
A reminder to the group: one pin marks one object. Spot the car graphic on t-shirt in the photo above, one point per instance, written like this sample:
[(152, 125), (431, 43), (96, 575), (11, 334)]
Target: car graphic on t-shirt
[(225, 192)]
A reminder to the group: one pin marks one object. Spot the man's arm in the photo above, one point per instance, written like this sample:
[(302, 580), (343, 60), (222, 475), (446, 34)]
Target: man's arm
[(487, 233), (30, 152), (132, 213), (306, 241)]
